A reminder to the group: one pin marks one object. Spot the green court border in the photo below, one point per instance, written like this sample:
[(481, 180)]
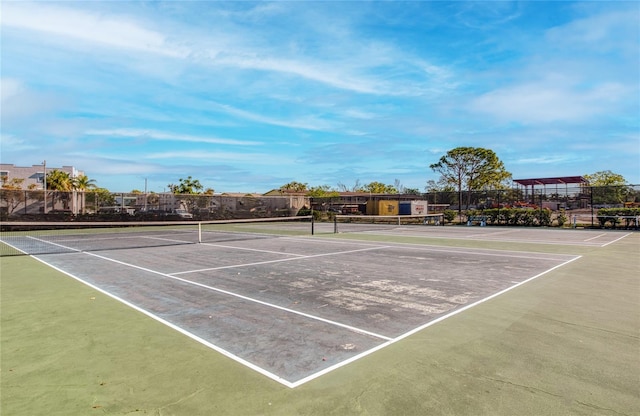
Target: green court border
[(566, 343)]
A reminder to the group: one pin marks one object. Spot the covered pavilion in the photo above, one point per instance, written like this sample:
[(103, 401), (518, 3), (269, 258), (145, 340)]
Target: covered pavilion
[(557, 181)]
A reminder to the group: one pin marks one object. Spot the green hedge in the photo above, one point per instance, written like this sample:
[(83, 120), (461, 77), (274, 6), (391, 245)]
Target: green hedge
[(616, 216), (515, 216)]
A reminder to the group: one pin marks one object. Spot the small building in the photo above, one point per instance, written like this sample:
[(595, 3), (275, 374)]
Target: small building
[(24, 182), (32, 176)]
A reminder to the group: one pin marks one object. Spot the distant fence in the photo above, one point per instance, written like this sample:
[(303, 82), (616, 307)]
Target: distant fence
[(542, 206), (578, 203), (552, 197), (35, 204)]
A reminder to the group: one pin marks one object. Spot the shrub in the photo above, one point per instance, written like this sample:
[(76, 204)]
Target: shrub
[(613, 216), (561, 218), (449, 215), (543, 217), (514, 216)]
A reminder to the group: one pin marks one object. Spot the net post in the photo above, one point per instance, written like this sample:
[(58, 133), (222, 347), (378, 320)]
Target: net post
[(199, 232), (335, 224), (312, 224)]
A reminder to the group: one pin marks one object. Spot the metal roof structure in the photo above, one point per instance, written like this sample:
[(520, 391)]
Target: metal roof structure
[(563, 180)]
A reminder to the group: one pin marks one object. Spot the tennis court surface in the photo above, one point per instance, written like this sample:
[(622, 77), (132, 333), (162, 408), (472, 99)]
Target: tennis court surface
[(267, 319), (291, 308), (529, 235)]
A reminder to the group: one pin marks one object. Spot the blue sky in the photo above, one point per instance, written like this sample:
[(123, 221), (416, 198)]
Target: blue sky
[(246, 97)]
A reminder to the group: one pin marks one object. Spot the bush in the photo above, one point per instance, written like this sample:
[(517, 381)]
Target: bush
[(449, 215), (515, 216), (544, 217), (561, 218), (613, 217)]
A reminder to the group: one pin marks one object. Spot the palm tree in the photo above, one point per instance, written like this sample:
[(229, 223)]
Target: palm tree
[(62, 183), (82, 183), (58, 180)]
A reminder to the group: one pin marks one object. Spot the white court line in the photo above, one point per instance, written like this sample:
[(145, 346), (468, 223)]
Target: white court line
[(479, 237), (302, 257), (260, 370), (251, 249), (593, 238), (226, 292), (53, 244), (497, 253), (420, 328), (491, 234), (617, 239), (459, 250), (175, 327)]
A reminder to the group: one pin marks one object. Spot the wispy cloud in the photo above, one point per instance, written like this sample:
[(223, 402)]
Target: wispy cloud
[(550, 159), (215, 156), (308, 122), (164, 136), (548, 102), (19, 102), (351, 72), (253, 95), (11, 143), (81, 25), (606, 31), (488, 14)]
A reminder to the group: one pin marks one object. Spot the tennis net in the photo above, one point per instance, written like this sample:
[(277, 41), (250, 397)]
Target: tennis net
[(33, 238), (365, 223)]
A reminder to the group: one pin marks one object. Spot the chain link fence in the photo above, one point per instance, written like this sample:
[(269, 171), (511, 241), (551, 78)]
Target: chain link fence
[(38, 205), (606, 206)]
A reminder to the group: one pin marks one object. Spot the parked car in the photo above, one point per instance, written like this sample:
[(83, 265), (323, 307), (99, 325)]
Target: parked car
[(182, 213)]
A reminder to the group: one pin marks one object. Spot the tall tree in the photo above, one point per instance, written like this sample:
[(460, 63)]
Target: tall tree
[(294, 187), (411, 191), (379, 188), (605, 178), (607, 187), (322, 191), (186, 186), (357, 187), (470, 168), (400, 188)]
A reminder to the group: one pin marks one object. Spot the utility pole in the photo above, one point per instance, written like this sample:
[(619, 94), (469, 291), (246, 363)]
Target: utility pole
[(44, 184)]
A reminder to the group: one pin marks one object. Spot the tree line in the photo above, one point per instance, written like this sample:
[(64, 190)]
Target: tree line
[(461, 169)]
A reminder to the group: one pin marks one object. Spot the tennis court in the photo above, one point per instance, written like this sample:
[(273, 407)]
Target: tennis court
[(268, 319), (291, 308)]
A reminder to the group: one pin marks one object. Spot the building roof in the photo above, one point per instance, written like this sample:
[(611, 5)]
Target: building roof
[(562, 180)]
